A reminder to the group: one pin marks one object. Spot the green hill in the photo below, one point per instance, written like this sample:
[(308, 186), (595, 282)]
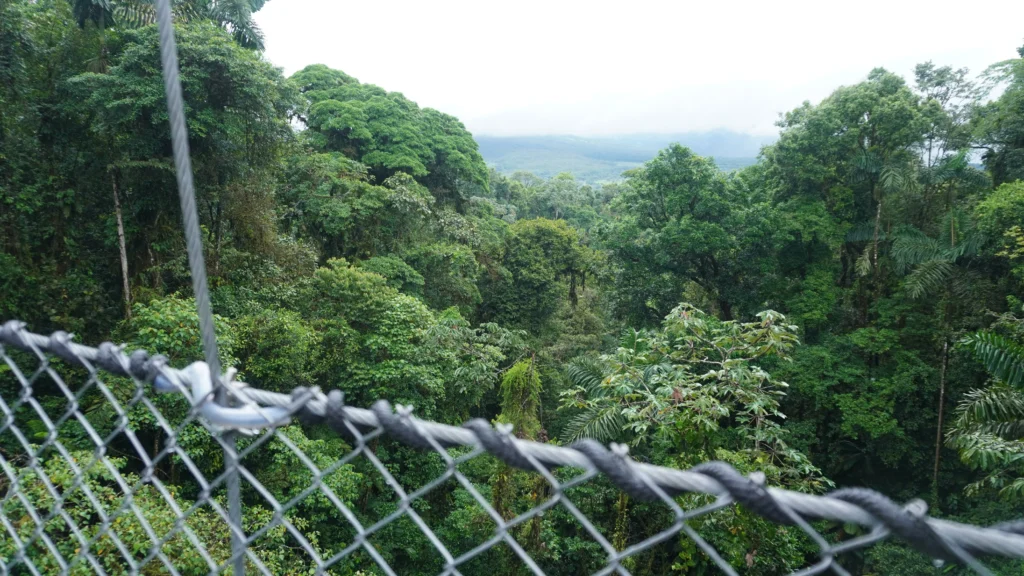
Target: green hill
[(604, 158)]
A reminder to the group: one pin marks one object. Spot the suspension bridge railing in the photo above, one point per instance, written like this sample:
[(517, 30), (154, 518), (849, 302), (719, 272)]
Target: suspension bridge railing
[(100, 474)]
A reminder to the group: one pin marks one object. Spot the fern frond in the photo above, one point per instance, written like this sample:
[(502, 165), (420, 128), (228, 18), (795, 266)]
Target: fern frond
[(1003, 358), (864, 262)]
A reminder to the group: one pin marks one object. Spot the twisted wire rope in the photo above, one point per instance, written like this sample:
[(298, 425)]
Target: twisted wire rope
[(940, 539), (194, 244)]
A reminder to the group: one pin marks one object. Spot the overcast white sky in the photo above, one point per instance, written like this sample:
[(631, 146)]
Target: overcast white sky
[(590, 67)]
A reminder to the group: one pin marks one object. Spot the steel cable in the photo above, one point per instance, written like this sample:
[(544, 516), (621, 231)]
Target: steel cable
[(941, 539)]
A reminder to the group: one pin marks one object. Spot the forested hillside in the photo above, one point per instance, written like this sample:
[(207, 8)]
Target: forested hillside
[(598, 159), (845, 311)]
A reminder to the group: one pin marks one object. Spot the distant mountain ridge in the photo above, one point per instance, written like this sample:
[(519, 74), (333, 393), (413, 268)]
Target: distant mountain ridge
[(604, 158)]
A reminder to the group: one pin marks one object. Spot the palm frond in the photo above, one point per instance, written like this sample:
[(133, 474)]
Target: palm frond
[(190, 10), (957, 167), (247, 34), (997, 409), (971, 177), (602, 419), (586, 373), (955, 220), (236, 17), (1003, 358), (988, 451), (898, 178), (912, 247), (603, 423), (99, 12), (135, 14), (970, 245), (865, 165), (927, 277), (964, 285), (945, 169), (863, 232)]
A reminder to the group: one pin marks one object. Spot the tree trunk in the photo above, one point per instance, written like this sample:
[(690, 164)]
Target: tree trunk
[(152, 266), (121, 247), (573, 299), (938, 428), (217, 234), (726, 309), (952, 229), (878, 223), (620, 538)]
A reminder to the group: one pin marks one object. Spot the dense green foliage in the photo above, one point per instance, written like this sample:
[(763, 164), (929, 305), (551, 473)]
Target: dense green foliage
[(813, 316)]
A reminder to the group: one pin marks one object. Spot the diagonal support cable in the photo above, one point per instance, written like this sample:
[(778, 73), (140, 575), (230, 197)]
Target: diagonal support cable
[(194, 242), (186, 188)]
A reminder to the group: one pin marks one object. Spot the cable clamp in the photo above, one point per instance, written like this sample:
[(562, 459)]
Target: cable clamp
[(197, 385)]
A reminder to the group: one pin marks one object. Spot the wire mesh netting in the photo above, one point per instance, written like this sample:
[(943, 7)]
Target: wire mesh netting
[(102, 475)]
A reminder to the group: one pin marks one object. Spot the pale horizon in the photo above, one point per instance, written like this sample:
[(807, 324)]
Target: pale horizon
[(601, 69)]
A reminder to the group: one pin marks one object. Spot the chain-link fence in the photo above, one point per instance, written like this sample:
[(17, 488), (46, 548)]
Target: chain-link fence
[(101, 475)]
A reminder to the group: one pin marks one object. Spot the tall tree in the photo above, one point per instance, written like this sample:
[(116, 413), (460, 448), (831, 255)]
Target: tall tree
[(683, 229), (544, 263), (235, 16), (237, 129), (388, 133), (999, 125)]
